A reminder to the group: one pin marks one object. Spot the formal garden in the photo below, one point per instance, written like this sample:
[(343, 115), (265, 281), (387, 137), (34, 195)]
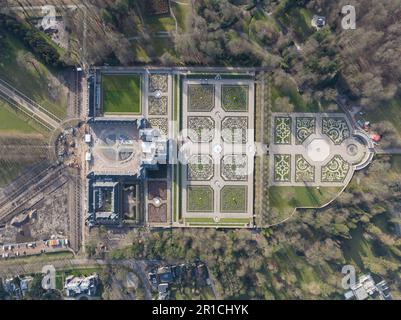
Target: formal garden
[(159, 123), (201, 129), (234, 98), (304, 171), (282, 130), (317, 155), (157, 189), (336, 129), (222, 178), (233, 199), (200, 167), (234, 129), (234, 167), (335, 170), (282, 167), (305, 127), (200, 199), (157, 105), (200, 97), (158, 82), (157, 214)]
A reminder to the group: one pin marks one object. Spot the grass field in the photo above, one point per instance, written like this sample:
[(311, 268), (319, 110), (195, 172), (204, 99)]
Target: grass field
[(38, 259), (121, 93), (159, 23), (139, 52), (233, 199), (10, 122), (259, 16), (224, 222), (285, 199), (289, 90), (298, 18), (8, 171), (200, 199), (20, 68), (388, 112), (181, 11)]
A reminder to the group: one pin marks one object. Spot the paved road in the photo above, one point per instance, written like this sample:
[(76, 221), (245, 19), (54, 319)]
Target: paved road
[(388, 151), (29, 105)]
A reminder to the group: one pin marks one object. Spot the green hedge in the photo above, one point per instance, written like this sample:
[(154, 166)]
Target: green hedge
[(33, 39)]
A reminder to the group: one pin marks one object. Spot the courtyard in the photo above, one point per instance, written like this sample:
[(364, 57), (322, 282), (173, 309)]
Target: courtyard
[(116, 148), (121, 94)]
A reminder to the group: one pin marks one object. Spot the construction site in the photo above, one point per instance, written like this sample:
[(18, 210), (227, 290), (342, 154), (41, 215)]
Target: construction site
[(44, 200)]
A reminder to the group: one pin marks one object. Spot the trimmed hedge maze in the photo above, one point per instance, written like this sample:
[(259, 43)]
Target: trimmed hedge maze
[(335, 170), (336, 129), (158, 82), (200, 168), (201, 129), (234, 167), (282, 130), (157, 106), (234, 129), (200, 97), (282, 167), (305, 127), (304, 171), (159, 123)]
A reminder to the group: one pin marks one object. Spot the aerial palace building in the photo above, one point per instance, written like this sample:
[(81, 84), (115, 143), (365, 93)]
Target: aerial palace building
[(141, 121)]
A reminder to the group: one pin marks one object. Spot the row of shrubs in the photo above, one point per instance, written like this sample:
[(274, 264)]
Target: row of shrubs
[(33, 39)]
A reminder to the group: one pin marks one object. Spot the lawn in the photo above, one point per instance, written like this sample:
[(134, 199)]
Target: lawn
[(288, 89), (285, 199), (396, 163), (233, 199), (181, 11), (13, 124), (139, 52), (259, 16), (200, 97), (222, 223), (157, 46), (389, 112), (8, 171), (22, 70), (121, 93), (159, 23), (200, 199), (10, 122), (299, 19), (234, 98), (161, 46)]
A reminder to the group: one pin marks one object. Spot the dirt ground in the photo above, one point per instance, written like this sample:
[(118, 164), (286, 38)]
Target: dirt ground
[(49, 217)]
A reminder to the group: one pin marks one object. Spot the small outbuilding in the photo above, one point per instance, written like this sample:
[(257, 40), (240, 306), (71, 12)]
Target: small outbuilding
[(88, 138), (318, 21)]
